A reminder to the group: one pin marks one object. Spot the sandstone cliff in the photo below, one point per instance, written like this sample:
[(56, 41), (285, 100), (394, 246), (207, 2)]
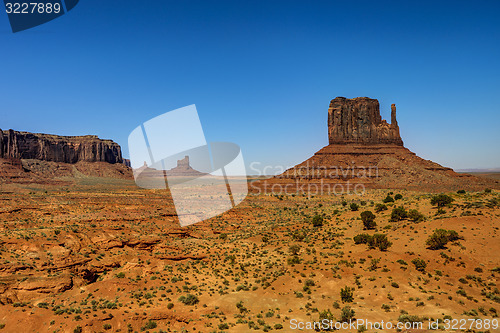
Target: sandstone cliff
[(358, 120), (55, 148)]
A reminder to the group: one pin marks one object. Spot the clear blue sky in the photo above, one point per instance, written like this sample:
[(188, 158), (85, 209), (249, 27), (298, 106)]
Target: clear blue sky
[(262, 73)]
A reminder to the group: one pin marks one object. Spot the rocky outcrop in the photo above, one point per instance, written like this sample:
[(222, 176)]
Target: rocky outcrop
[(55, 148), (358, 121), (183, 168), (365, 151)]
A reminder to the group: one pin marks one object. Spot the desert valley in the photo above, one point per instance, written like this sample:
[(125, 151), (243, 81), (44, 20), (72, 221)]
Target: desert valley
[(83, 249)]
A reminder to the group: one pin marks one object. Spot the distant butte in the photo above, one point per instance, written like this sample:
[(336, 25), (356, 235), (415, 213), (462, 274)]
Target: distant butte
[(364, 149)]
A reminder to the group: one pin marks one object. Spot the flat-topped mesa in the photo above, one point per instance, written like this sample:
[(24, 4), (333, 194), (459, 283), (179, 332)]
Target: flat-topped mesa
[(357, 120), (56, 148)]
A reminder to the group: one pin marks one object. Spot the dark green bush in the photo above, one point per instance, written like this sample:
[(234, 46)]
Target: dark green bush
[(441, 237), (398, 214), (294, 249), (361, 239), (441, 200), (317, 221), (347, 294), (189, 299), (398, 197), (354, 206), (346, 314), (150, 325), (438, 239), (388, 199), (380, 241), (415, 215), (368, 219), (380, 207), (420, 264)]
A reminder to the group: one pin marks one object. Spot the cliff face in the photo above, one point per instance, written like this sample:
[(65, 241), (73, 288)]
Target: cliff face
[(55, 148), (358, 120)]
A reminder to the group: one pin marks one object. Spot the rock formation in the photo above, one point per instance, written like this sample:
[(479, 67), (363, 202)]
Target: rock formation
[(358, 120), (183, 168), (55, 148), (53, 159), (367, 152)]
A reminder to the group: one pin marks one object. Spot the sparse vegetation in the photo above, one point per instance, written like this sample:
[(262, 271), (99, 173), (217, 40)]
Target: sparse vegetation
[(441, 200)]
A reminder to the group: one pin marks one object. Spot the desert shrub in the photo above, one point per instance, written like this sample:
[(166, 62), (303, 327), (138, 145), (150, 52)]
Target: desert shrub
[(388, 199), (420, 264), (278, 326), (368, 219), (189, 299), (361, 238), (77, 329), (487, 190), (150, 324), (223, 236), (354, 206), (376, 241), (317, 221), (347, 294), (415, 215), (406, 318), (380, 207), (309, 283), (328, 316), (299, 235), (398, 214), (170, 305), (107, 326), (461, 191), (453, 236), (440, 211), (437, 240), (293, 260), (346, 314), (380, 241), (223, 326), (441, 237), (120, 275), (492, 203), (294, 249), (344, 203), (441, 200), (398, 197)]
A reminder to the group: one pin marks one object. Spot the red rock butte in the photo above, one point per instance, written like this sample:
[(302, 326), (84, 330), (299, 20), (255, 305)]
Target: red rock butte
[(366, 151)]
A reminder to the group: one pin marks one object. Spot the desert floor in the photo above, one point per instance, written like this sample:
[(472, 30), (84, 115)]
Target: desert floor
[(106, 256)]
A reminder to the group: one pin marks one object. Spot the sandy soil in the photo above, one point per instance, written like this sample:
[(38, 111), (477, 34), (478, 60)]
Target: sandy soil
[(105, 256)]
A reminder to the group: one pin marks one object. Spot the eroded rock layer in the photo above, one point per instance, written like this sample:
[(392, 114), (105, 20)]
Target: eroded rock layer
[(358, 120), (56, 148)]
